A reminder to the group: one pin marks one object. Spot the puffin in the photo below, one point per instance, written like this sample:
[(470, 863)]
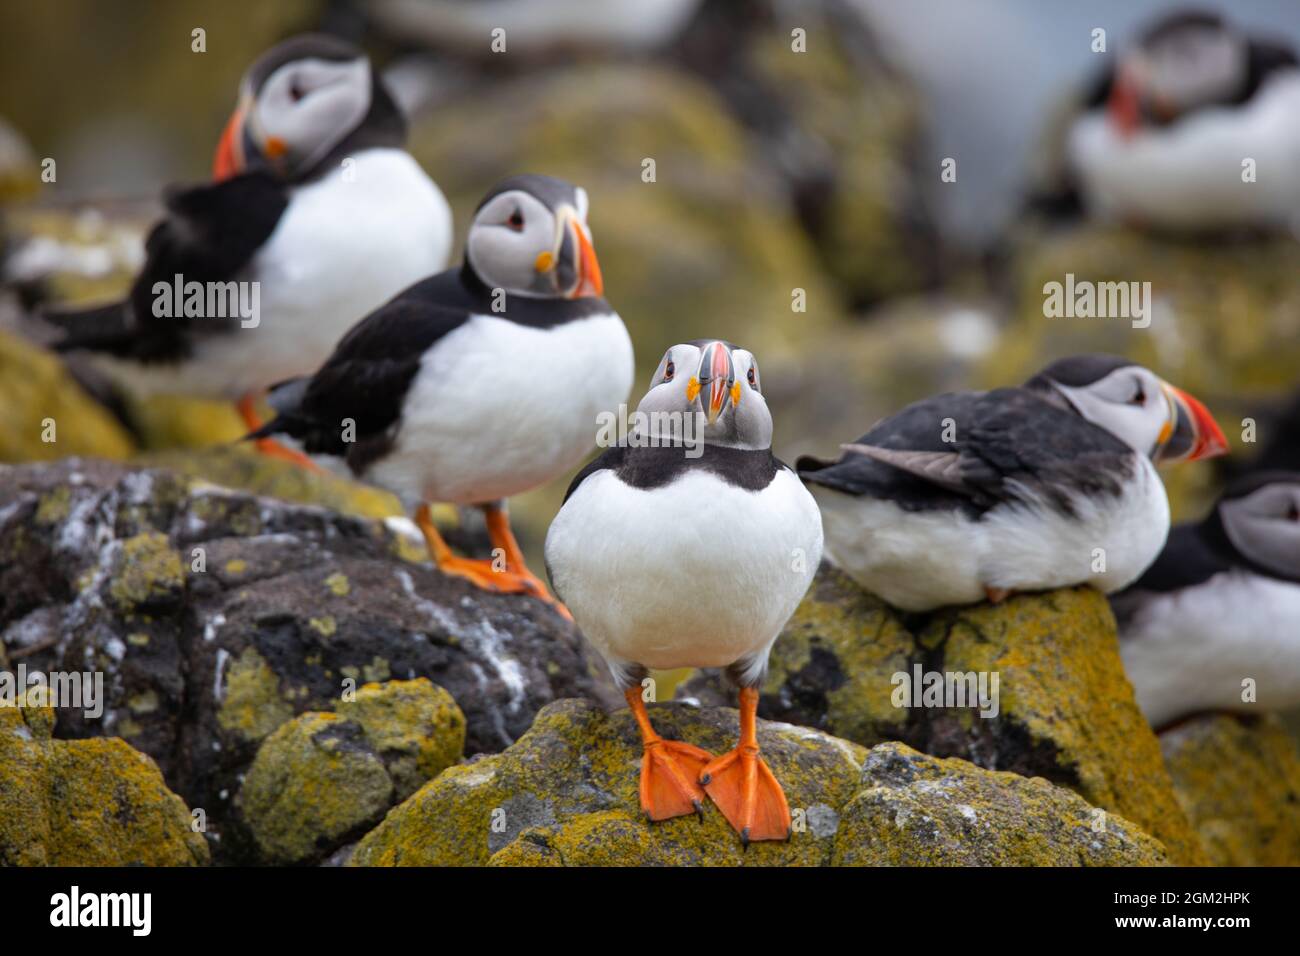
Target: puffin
[(691, 545), (477, 383), (969, 496), (1219, 605), (314, 203), (1163, 137)]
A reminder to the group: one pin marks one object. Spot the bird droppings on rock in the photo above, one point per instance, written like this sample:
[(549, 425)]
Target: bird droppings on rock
[(224, 659)]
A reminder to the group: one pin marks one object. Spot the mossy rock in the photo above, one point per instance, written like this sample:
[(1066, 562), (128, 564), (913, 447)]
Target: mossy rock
[(241, 467), (1225, 324), (918, 810), (217, 615), (86, 802), (36, 389), (1238, 779), (566, 794), (1066, 711), (322, 779)]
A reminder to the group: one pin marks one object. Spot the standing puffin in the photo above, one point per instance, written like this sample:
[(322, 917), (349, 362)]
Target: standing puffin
[(1221, 604), (970, 495), (1164, 136), (691, 547), (478, 383), (313, 198)]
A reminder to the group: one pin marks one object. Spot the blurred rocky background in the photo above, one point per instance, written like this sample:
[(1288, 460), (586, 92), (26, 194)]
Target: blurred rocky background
[(779, 177)]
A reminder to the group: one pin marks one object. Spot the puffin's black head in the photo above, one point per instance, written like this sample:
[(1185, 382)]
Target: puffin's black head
[(1259, 516), (1183, 61), (304, 105), (1133, 404), (530, 237)]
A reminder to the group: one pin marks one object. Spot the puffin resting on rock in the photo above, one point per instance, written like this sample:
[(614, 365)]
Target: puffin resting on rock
[(478, 383), (691, 547), (974, 495)]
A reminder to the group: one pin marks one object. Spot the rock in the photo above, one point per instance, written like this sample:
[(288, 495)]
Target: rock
[(323, 779), (839, 123), (1065, 710), (566, 795), (1225, 325), (1238, 778), (38, 395), (917, 810), (217, 615), (85, 802)]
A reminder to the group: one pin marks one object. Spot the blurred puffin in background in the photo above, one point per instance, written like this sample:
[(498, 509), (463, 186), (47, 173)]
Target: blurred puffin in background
[(479, 383), (1166, 136), (692, 549), (314, 199), (1219, 606), (974, 495)]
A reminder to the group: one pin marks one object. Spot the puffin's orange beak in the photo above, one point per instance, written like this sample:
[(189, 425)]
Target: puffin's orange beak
[(229, 158), (1194, 434), (590, 282), (1125, 106), (716, 369)]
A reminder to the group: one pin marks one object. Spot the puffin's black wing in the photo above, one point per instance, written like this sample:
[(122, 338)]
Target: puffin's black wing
[(366, 380), (1006, 443), (209, 234)]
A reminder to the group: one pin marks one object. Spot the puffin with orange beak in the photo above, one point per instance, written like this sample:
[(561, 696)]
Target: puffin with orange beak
[(316, 215), (1163, 135), (478, 383), (691, 546), (974, 495)]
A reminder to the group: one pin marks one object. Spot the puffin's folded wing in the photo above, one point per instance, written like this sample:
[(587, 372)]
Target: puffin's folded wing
[(210, 232), (364, 383)]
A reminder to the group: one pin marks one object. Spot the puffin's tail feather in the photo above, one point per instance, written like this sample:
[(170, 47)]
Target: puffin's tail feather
[(286, 399), (104, 328)]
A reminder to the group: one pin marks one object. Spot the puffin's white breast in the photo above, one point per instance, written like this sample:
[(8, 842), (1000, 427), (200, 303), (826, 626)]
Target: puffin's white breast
[(345, 245), (497, 408), (920, 560), (1190, 650), (697, 573), (1189, 174)]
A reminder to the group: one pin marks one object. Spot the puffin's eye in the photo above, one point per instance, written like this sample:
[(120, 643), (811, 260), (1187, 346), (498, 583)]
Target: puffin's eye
[(516, 221), (1294, 513), (753, 379), (1140, 398), (669, 371)]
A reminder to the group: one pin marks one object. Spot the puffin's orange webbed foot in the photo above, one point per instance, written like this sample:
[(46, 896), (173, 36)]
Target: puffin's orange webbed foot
[(247, 407), (744, 787), (669, 769), (498, 525), (273, 449)]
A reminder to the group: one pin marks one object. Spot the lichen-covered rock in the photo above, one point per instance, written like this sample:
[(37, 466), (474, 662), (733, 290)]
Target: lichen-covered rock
[(831, 115), (41, 400), (1065, 710), (85, 802), (831, 667), (323, 779), (315, 781), (1238, 778), (414, 726), (217, 615), (917, 810), (566, 795)]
